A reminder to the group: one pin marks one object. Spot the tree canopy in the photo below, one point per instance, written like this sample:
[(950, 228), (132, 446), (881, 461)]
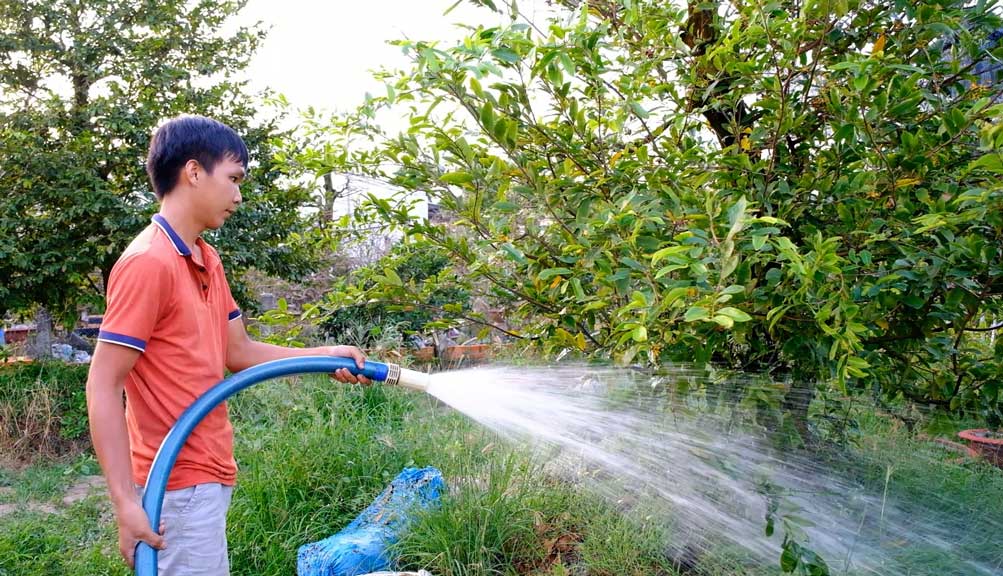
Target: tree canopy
[(809, 189), (82, 87)]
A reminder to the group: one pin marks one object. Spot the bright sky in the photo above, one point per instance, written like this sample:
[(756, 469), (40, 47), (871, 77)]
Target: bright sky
[(319, 52)]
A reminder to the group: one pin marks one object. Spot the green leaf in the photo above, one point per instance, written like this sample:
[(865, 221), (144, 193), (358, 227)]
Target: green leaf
[(728, 266), (567, 64), (514, 253), (505, 206), (551, 272), (554, 75), (639, 110), (670, 268), (668, 251), (723, 320), (639, 334), (487, 115), (475, 86), (674, 295), (788, 560), (735, 314), (500, 130), (736, 217), (392, 278), (512, 133), (458, 177), (991, 162), (696, 313), (506, 55)]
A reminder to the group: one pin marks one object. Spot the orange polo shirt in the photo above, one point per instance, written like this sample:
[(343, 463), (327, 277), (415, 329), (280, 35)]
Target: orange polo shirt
[(176, 311)]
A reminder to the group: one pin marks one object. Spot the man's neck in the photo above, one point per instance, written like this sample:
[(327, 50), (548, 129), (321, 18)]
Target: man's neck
[(181, 221)]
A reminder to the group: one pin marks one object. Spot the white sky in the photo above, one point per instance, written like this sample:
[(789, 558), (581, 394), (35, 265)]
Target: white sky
[(319, 52)]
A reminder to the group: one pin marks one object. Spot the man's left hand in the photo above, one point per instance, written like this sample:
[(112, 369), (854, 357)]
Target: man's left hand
[(343, 374)]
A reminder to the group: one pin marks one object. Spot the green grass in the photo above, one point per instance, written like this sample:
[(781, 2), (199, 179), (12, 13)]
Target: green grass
[(45, 481), (314, 453), (79, 541), (927, 481), (514, 521)]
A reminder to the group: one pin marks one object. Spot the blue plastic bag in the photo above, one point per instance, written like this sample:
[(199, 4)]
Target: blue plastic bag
[(361, 547)]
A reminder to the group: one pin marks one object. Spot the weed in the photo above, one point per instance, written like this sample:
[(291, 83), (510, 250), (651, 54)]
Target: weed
[(45, 411)]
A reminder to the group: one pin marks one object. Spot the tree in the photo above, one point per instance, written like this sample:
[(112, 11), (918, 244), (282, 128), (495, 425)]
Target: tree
[(348, 310), (809, 189), (82, 87)]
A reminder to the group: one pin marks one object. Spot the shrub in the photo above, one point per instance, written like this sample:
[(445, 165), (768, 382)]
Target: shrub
[(45, 410), (349, 309)]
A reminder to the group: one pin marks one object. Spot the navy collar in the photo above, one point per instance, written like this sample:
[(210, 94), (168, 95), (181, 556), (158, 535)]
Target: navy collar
[(179, 244)]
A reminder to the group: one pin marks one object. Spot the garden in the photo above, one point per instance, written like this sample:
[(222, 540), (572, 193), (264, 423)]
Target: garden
[(703, 288)]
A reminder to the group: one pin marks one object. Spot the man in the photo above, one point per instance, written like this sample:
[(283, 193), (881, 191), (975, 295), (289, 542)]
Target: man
[(170, 328)]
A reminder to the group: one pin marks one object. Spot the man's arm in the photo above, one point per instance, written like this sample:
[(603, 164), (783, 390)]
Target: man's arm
[(242, 352), (105, 383)]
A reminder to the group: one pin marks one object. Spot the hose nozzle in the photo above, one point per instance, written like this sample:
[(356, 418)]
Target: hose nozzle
[(407, 378)]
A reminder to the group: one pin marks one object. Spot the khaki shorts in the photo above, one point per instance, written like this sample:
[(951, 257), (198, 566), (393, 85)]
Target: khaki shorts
[(194, 531)]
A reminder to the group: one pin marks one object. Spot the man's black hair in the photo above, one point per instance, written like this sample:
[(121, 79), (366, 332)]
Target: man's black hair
[(187, 138)]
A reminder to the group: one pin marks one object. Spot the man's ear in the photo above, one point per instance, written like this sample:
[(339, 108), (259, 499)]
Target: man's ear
[(191, 172)]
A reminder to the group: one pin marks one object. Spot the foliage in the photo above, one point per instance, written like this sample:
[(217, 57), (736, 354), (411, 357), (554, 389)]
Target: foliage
[(809, 189), (44, 409), (320, 148), (82, 87), (795, 557), (423, 301)]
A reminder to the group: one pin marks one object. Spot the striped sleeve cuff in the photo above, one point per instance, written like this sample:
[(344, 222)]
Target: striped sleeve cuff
[(234, 314), (122, 340)]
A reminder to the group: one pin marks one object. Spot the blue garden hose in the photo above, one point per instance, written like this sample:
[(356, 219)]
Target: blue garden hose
[(163, 462)]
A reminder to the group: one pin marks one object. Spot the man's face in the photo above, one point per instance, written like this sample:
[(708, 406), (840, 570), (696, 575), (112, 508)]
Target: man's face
[(220, 193)]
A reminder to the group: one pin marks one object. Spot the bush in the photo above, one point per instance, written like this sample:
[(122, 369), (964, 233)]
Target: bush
[(351, 315), (45, 410)]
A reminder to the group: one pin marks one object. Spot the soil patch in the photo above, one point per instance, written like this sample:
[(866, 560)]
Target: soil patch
[(84, 487)]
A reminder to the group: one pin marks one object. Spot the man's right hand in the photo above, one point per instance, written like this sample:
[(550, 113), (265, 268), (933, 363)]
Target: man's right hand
[(133, 527)]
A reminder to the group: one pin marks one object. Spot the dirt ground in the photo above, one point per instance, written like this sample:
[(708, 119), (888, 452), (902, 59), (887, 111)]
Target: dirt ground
[(84, 487)]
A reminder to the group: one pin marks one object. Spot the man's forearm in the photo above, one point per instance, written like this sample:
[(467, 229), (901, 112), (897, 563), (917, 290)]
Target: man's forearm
[(111, 440)]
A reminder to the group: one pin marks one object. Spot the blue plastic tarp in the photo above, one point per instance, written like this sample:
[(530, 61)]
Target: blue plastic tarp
[(363, 546)]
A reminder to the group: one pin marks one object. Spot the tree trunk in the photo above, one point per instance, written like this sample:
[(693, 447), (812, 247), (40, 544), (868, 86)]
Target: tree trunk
[(42, 347)]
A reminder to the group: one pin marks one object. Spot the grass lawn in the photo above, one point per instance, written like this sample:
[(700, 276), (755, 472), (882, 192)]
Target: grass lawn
[(314, 453)]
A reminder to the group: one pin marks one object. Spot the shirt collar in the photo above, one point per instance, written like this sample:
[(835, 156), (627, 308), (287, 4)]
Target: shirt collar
[(176, 240)]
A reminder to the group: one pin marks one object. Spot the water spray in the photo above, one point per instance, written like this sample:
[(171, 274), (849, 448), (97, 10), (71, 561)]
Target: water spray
[(163, 462)]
